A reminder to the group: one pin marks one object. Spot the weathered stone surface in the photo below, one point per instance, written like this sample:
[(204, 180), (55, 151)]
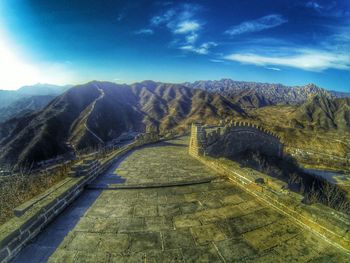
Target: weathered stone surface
[(234, 250), (179, 238), (210, 222), (232, 140), (143, 241), (4, 253)]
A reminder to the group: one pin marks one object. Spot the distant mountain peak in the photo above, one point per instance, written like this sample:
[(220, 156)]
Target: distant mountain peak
[(258, 94)]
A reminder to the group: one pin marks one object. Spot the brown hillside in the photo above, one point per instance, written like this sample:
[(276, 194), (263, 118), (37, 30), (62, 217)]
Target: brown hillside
[(100, 111)]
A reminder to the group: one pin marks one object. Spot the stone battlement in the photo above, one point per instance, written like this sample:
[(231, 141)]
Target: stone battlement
[(238, 136), (240, 124)]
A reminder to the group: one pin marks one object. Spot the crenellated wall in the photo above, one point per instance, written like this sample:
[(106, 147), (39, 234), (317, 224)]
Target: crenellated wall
[(232, 139)]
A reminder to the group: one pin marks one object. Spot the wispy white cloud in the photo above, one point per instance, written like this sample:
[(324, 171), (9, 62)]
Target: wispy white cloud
[(163, 18), (144, 31), (182, 21), (202, 49), (120, 17), (187, 26), (256, 25), (274, 69), (305, 59), (217, 61), (178, 19), (337, 9), (314, 5), (191, 38)]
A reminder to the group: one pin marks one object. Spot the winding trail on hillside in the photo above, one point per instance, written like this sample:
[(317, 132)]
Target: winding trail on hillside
[(102, 94), (91, 107)]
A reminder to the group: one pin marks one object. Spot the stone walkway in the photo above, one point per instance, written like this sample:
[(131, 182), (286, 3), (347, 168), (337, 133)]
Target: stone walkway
[(163, 164), (208, 222)]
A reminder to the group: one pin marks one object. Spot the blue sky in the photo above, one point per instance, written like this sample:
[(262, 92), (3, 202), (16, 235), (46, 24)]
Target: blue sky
[(74, 41)]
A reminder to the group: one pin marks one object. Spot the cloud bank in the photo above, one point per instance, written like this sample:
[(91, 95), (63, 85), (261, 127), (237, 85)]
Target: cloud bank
[(183, 22), (203, 49), (310, 60)]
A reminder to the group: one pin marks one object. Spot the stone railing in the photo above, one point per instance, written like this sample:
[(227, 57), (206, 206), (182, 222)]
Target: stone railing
[(32, 216), (327, 223)]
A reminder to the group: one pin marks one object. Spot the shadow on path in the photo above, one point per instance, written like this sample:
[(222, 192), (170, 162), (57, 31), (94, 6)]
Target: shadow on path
[(44, 245), (110, 177)]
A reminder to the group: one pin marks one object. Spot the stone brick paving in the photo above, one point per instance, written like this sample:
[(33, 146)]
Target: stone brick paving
[(165, 163), (208, 222)]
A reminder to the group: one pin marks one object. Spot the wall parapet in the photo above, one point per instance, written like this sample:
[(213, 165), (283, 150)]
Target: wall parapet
[(203, 137), (32, 216), (328, 224)]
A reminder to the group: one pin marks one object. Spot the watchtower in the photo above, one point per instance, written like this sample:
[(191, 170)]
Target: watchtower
[(198, 140)]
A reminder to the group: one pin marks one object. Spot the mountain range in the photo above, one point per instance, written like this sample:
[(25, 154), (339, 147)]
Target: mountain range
[(15, 103), (98, 112), (87, 114), (256, 94)]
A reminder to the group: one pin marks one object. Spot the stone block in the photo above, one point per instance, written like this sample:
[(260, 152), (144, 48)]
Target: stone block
[(38, 224), (145, 210), (201, 254), (84, 242), (6, 240), (143, 241), (271, 235), (4, 253), (92, 257), (117, 243), (132, 224), (207, 233), (61, 255), (179, 238), (167, 256), (234, 250), (158, 223), (186, 221)]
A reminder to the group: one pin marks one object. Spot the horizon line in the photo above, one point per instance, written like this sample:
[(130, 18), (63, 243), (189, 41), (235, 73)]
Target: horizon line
[(170, 82)]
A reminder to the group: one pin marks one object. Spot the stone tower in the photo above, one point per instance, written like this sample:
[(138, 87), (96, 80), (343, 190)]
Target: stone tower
[(197, 140)]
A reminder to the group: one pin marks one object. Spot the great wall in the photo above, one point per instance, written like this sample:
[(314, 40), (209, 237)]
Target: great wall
[(176, 199), (212, 144), (232, 139)]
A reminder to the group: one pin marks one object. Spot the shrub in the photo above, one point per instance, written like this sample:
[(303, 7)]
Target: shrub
[(22, 186)]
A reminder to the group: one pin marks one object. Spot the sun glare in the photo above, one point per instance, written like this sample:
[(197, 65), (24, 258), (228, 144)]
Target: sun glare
[(17, 71)]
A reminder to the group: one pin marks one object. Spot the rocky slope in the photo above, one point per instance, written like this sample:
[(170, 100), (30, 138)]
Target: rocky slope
[(323, 112), (24, 106), (9, 98), (87, 114), (256, 95)]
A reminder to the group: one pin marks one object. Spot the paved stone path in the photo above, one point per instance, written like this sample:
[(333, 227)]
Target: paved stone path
[(208, 222)]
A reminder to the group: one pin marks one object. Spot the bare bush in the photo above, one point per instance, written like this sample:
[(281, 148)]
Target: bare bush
[(315, 190), (313, 195)]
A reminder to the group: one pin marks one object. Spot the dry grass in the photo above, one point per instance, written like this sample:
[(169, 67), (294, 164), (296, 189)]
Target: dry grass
[(330, 195), (314, 190), (19, 188), (322, 144)]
